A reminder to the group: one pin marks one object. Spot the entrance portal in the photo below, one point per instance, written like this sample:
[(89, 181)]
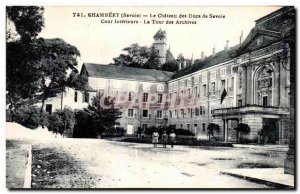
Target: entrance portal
[(271, 129)]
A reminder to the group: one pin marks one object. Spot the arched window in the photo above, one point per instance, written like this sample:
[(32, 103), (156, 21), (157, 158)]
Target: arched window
[(264, 86)]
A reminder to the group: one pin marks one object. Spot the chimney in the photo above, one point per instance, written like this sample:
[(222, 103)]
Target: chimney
[(192, 59), (227, 46), (214, 50), (202, 55), (241, 37)]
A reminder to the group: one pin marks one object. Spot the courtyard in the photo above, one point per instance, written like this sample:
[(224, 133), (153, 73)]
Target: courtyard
[(98, 163)]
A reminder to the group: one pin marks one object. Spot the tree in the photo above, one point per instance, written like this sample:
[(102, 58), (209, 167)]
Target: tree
[(104, 113), (211, 128), (62, 122), (180, 58), (242, 128), (138, 57), (42, 71), (28, 21), (170, 66), (37, 68)]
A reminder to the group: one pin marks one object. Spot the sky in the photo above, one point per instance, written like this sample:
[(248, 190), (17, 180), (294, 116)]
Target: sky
[(100, 43)]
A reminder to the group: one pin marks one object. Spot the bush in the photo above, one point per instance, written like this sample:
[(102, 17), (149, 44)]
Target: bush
[(114, 132), (84, 126), (28, 116), (62, 122)]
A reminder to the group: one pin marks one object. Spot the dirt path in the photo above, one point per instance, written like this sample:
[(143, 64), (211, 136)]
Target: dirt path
[(128, 165)]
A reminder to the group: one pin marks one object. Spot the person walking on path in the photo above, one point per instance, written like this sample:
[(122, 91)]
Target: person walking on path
[(164, 139), (155, 136), (172, 138)]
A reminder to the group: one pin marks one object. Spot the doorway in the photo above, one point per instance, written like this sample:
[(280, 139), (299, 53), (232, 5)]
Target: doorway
[(129, 130), (271, 128)]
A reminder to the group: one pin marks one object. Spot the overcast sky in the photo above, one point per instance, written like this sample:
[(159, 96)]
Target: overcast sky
[(99, 43)]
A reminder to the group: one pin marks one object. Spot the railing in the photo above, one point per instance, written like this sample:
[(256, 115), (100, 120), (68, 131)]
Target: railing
[(252, 108)]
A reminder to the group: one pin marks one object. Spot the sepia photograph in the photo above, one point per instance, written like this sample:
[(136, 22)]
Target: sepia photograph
[(150, 97)]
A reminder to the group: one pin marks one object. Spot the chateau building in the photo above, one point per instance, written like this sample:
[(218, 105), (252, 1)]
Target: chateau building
[(247, 83)]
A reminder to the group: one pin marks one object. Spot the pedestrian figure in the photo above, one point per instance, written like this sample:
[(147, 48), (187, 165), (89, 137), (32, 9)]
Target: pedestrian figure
[(172, 138), (164, 139), (155, 136)]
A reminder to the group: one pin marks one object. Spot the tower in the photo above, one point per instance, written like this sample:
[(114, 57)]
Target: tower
[(160, 44)]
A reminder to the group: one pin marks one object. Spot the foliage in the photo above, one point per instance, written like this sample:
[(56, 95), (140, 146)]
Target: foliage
[(114, 132), (28, 116), (170, 66), (242, 128), (84, 126), (62, 121), (98, 118), (28, 20), (138, 57), (211, 128)]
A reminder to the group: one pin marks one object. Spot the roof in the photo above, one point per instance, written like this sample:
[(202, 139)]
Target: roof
[(160, 34), (121, 72), (169, 56), (210, 61)]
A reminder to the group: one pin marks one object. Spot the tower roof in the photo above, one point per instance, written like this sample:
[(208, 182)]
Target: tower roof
[(160, 34)]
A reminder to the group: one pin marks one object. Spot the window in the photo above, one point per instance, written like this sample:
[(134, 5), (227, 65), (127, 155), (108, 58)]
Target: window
[(204, 89), (181, 126), (146, 87), (170, 87), (101, 92), (160, 88), (115, 94), (159, 114), (131, 85), (196, 80), (240, 79), (144, 126), (196, 91), (239, 103), (160, 97), (86, 97), (189, 112), (189, 92), (176, 113), (182, 84), (204, 78), (189, 82), (202, 110), (196, 111), (223, 72), (203, 126), (232, 84), (182, 113), (130, 96), (213, 75), (145, 97), (213, 87), (265, 101), (145, 113), (188, 126), (130, 113), (75, 96), (222, 85), (170, 96), (49, 108), (170, 114)]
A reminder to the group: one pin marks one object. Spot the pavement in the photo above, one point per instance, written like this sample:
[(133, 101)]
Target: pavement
[(273, 177), (18, 165)]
